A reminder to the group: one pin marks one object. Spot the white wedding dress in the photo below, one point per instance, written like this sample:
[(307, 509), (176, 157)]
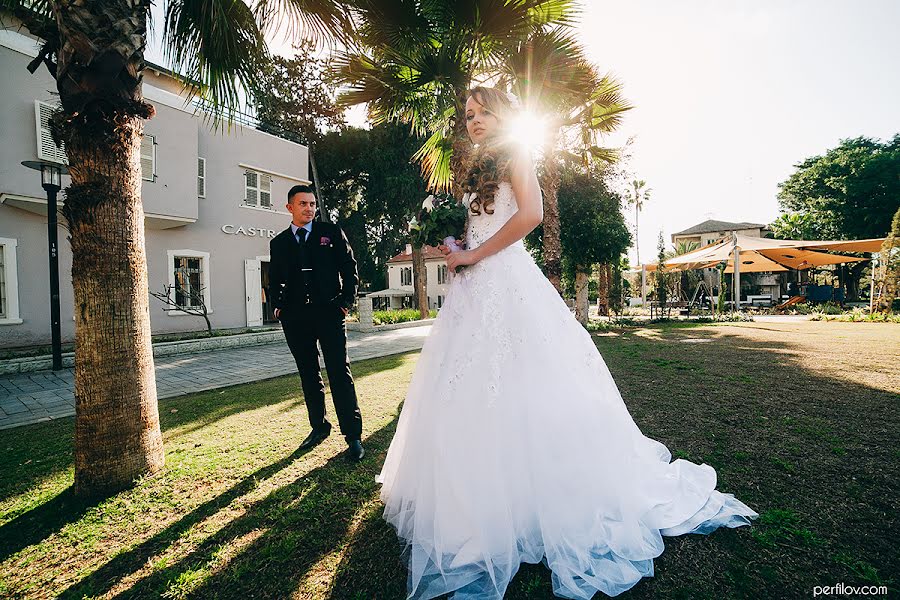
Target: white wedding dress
[(514, 445)]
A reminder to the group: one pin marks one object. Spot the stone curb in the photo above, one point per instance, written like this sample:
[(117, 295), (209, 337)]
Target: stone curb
[(376, 328), (45, 362)]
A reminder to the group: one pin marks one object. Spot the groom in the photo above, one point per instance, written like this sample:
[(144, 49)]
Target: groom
[(312, 285)]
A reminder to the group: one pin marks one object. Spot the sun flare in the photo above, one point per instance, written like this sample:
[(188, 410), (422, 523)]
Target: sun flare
[(528, 129)]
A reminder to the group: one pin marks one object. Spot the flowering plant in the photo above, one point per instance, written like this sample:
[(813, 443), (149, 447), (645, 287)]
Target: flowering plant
[(438, 222)]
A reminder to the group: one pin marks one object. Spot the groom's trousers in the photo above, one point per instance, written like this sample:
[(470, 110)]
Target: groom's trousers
[(303, 325)]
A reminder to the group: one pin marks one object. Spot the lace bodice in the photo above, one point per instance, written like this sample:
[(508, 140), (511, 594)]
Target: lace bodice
[(483, 226)]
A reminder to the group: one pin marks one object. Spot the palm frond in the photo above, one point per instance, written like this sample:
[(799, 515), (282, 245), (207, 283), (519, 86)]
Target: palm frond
[(556, 12), (607, 118), (217, 44), (38, 18), (607, 155), (434, 156), (319, 20), (549, 70), (398, 24)]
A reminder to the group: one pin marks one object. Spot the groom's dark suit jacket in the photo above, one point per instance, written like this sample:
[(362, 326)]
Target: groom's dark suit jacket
[(332, 279)]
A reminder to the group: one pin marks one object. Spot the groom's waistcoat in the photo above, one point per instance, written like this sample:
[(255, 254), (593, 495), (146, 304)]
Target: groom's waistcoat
[(305, 266)]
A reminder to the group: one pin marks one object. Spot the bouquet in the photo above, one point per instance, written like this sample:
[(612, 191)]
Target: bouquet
[(438, 222)]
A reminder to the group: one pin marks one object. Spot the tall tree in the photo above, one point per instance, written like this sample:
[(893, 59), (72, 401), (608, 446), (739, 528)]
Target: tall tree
[(593, 228), (558, 85), (887, 275), (373, 185), (95, 51), (416, 61), (640, 194), (850, 192), (293, 98)]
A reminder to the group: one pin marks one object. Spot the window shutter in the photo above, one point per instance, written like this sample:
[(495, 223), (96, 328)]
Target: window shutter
[(46, 147), (201, 177), (265, 191), (148, 157), (251, 182)]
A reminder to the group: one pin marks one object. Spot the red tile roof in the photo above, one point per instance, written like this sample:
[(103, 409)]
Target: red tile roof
[(430, 253)]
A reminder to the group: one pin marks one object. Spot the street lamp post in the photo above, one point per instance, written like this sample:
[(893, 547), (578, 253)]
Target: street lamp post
[(51, 175)]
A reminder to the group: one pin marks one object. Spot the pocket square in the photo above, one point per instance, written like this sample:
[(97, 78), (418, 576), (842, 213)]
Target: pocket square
[(325, 241)]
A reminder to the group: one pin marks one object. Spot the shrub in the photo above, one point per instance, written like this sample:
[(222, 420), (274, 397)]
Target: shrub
[(388, 317), (858, 315)]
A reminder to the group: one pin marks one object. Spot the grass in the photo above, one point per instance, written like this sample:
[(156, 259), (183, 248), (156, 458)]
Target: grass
[(800, 420)]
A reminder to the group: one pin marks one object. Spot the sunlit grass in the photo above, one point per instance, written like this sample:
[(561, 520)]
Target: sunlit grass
[(800, 421)]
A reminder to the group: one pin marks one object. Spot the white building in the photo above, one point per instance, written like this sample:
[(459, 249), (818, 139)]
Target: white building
[(400, 292), (212, 201)]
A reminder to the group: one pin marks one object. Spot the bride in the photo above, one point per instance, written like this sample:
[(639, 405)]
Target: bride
[(514, 444)]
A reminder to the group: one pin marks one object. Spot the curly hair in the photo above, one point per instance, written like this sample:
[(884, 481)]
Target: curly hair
[(488, 164)]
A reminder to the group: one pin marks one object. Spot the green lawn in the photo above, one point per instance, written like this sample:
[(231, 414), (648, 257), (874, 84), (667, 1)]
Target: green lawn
[(800, 420)]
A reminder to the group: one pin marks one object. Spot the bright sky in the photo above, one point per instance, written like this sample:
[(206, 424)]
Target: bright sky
[(729, 95)]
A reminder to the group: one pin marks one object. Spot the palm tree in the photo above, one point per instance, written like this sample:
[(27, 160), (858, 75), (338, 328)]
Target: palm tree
[(418, 61), (640, 195), (550, 72), (95, 51), (415, 62)]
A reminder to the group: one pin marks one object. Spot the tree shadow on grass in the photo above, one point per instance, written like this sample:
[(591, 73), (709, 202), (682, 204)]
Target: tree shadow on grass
[(42, 521), (203, 409), (291, 530), (32, 454), (35, 453)]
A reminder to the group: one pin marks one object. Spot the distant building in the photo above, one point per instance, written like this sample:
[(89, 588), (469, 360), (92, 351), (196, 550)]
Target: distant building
[(400, 292), (711, 231)]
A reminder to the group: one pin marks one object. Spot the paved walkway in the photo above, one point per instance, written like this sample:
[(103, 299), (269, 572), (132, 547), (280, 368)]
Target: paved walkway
[(27, 398)]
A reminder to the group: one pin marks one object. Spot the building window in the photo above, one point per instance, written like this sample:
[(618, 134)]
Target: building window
[(440, 301), (201, 177), (258, 189), (9, 288), (406, 276), (189, 279), (148, 157), (442, 274)]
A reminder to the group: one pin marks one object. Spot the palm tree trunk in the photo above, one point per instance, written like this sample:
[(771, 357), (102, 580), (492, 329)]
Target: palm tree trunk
[(637, 241), (582, 280), (323, 213), (420, 281), (603, 287), (551, 240), (117, 434)]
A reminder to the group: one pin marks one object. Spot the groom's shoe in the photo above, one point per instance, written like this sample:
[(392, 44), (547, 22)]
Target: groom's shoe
[(355, 450), (315, 437)]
